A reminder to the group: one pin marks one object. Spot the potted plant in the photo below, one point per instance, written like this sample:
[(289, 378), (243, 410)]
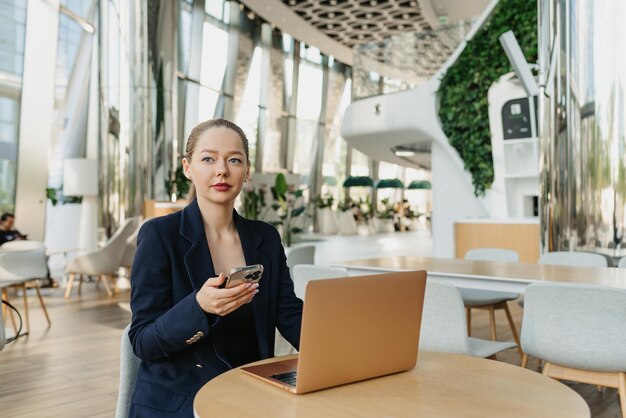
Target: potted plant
[(326, 219), (287, 206), (385, 217)]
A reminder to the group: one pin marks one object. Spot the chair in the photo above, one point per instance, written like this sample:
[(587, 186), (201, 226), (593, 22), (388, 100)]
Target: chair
[(622, 262), (129, 364), (21, 263), (130, 247), (102, 262), (302, 273), (574, 329), (444, 327), (300, 255), (490, 299), (574, 259)]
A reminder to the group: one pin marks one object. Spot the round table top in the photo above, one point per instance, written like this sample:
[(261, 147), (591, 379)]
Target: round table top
[(442, 385)]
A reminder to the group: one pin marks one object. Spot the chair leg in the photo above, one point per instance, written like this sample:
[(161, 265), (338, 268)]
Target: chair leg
[(80, 284), (513, 329), (105, 281), (622, 392), (546, 369), (468, 317), (41, 302), (5, 296), (524, 360), (23, 286), (70, 283), (492, 320)]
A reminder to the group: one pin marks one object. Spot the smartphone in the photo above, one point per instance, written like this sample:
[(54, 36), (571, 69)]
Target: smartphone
[(246, 274)]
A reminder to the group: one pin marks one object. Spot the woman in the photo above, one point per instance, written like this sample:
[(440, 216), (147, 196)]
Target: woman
[(185, 328)]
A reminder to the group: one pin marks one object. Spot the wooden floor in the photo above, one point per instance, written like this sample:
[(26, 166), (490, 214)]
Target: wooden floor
[(71, 369)]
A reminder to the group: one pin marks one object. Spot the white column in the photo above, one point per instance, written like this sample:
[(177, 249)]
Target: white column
[(36, 116)]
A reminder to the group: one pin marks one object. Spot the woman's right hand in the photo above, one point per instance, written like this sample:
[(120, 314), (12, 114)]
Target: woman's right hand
[(221, 302)]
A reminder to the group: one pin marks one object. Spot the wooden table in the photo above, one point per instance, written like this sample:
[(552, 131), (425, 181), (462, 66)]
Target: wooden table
[(491, 275), (442, 385)]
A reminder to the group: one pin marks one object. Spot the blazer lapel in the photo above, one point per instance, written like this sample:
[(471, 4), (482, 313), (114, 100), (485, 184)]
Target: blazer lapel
[(197, 259)]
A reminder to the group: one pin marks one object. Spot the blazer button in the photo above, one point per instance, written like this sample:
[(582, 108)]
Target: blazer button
[(200, 334), (200, 366), (194, 338), (188, 342)]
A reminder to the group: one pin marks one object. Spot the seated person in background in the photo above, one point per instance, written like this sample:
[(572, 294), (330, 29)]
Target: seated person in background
[(7, 233)]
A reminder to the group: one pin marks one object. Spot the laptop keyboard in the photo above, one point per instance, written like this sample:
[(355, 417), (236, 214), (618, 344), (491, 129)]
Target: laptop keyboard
[(288, 378)]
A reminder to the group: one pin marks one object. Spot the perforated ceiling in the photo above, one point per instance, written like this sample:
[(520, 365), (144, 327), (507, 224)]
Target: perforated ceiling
[(353, 22)]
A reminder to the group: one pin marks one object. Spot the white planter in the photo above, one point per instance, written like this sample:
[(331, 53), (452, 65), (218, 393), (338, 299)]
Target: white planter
[(384, 225), (346, 224), (327, 221)]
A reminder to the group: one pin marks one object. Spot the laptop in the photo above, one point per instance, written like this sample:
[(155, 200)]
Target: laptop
[(353, 328)]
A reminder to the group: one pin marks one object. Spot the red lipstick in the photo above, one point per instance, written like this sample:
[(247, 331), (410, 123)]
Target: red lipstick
[(222, 187)]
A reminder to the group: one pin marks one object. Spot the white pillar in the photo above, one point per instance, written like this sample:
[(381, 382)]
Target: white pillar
[(36, 116)]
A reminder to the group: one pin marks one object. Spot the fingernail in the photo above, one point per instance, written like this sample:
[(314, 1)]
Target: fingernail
[(255, 292), (248, 285), (255, 285)]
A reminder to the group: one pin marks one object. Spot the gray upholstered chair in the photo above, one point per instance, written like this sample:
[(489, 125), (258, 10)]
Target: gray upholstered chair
[(304, 254), (302, 273), (102, 262), (490, 299), (129, 363), (574, 259), (444, 327), (21, 263), (575, 330)]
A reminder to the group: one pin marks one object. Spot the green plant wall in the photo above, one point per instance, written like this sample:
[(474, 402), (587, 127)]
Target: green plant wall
[(462, 94)]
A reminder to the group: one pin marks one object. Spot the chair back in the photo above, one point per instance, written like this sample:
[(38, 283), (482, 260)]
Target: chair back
[(574, 259), (574, 325), (302, 273), (22, 245), (105, 260), (129, 364), (20, 260), (130, 247), (300, 255), (443, 320), (492, 254)]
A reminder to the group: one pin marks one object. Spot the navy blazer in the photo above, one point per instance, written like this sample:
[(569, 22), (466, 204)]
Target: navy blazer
[(180, 346)]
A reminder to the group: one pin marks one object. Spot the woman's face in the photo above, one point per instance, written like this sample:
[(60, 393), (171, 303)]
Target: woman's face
[(218, 166)]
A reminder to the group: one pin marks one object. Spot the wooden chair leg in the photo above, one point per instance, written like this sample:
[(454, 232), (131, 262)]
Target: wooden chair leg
[(70, 283), (41, 302), (25, 297), (492, 320), (524, 361), (105, 282), (513, 329), (468, 317), (622, 392), (546, 369), (80, 284), (5, 296)]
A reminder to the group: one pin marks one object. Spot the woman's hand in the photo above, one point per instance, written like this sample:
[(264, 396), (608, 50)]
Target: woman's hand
[(221, 302)]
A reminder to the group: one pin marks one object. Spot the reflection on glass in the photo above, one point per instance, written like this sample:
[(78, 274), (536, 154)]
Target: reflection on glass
[(214, 56), (12, 32), (583, 125)]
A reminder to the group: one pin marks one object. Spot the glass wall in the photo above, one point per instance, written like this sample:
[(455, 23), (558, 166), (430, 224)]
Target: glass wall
[(12, 32)]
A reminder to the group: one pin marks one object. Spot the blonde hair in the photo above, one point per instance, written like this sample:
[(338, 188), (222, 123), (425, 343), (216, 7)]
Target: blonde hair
[(202, 128)]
